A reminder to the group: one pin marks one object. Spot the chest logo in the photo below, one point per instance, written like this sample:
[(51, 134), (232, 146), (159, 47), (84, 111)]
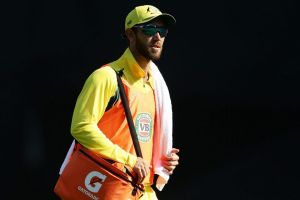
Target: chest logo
[(143, 126)]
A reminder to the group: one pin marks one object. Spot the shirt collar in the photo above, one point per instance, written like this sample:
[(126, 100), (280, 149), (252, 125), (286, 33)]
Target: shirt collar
[(131, 69)]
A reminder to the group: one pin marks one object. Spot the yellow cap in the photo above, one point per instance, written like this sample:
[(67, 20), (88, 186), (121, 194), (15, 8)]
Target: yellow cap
[(145, 13)]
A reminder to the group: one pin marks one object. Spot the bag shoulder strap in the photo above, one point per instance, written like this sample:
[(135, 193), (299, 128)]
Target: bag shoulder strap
[(128, 115)]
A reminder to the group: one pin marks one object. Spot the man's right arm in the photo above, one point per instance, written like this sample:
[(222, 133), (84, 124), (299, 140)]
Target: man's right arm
[(91, 103)]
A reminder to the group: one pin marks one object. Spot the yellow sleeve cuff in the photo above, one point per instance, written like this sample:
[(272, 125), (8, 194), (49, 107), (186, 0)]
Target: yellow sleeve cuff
[(131, 160)]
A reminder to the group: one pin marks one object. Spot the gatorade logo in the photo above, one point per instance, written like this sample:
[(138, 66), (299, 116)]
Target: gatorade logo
[(93, 181), (143, 126)]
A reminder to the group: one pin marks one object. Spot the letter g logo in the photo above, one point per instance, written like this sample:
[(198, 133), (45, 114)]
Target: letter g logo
[(93, 181)]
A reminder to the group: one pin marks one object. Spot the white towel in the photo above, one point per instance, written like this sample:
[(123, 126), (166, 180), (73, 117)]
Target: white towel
[(67, 158), (163, 140)]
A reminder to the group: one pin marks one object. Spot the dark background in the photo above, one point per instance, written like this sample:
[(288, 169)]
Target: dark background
[(232, 68)]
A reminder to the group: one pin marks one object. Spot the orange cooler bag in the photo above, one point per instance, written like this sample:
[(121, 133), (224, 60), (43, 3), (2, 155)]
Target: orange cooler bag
[(88, 176)]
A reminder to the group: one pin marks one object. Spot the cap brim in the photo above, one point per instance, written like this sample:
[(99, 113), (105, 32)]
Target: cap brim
[(168, 19)]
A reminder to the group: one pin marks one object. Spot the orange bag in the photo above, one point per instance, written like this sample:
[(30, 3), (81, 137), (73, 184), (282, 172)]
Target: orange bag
[(88, 176)]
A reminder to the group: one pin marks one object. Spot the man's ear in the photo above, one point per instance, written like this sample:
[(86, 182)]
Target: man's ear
[(130, 34)]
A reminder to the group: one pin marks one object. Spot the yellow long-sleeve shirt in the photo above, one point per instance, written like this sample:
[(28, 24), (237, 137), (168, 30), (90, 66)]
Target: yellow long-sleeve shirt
[(90, 107)]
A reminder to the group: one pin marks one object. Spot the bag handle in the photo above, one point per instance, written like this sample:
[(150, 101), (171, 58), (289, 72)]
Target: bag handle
[(128, 115)]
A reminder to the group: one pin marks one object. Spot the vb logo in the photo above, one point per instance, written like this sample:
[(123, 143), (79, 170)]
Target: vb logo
[(93, 181)]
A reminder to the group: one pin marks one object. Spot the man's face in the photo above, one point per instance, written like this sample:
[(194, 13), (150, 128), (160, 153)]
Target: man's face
[(149, 43)]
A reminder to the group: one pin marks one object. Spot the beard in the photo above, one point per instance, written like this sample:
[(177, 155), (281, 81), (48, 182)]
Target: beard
[(148, 52)]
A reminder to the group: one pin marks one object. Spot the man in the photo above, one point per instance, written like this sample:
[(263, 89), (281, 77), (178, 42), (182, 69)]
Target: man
[(99, 122)]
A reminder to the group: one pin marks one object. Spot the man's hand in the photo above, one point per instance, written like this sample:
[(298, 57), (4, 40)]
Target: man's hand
[(141, 168), (170, 161)]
